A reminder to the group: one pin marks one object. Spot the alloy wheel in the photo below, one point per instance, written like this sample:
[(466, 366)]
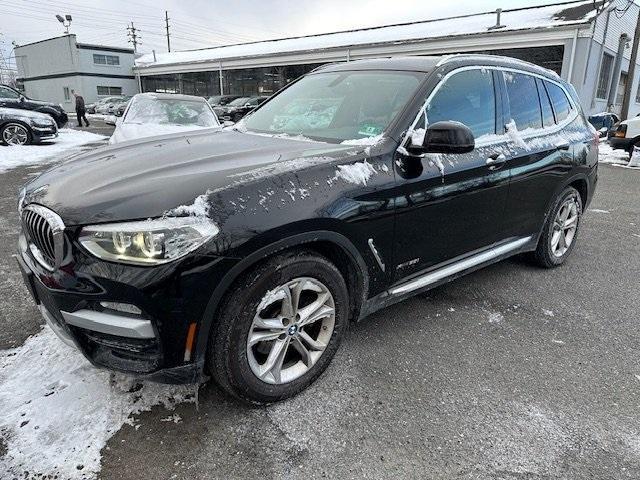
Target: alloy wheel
[(290, 331), (14, 134), (565, 226)]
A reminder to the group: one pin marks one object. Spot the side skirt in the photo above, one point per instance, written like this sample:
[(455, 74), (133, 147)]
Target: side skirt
[(447, 272)]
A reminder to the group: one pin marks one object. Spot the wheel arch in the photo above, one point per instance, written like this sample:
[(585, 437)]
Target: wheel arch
[(334, 246)]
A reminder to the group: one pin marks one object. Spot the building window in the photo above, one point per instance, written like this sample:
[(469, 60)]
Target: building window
[(67, 95), (109, 90), (99, 59), (638, 93), (622, 86), (605, 74)]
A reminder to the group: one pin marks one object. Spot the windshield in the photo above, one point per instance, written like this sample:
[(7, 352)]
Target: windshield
[(238, 102), (335, 107), (171, 112)]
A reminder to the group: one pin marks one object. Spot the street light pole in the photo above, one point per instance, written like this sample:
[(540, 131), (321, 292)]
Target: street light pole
[(66, 22)]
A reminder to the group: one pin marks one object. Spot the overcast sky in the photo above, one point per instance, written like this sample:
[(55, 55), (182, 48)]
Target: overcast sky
[(204, 23)]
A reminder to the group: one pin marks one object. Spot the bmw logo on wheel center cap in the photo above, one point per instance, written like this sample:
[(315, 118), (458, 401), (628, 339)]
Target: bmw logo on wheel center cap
[(293, 329)]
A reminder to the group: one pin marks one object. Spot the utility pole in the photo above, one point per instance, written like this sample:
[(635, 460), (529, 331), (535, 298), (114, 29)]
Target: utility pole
[(134, 38), (615, 78), (166, 22), (624, 113)]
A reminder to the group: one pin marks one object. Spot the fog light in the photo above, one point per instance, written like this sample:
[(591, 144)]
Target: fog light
[(122, 307)]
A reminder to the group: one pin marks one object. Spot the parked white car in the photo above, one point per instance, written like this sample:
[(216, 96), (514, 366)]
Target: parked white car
[(152, 114), (627, 135)]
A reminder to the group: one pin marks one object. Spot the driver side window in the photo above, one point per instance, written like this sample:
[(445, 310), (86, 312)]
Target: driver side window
[(467, 97)]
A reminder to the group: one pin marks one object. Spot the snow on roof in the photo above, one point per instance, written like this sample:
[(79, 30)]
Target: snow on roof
[(563, 14)]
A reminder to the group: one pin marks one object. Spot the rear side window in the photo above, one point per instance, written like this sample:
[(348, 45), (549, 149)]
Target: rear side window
[(467, 97), (523, 101), (545, 103), (559, 100)]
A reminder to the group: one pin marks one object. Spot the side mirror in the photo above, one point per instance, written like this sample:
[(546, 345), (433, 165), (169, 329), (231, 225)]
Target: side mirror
[(22, 99), (445, 137), (111, 120)]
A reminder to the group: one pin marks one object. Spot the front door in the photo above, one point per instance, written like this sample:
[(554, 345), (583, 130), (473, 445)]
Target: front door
[(453, 204)]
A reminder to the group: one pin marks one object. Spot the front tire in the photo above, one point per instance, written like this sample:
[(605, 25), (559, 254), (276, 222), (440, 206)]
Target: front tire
[(560, 230), (279, 328), (15, 134)]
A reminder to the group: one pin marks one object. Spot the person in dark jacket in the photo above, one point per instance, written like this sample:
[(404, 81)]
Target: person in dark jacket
[(81, 111)]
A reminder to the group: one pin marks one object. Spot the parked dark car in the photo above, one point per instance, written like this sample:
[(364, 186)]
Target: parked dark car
[(221, 100), (12, 98), (23, 127), (238, 108), (605, 123), (120, 107), (259, 244)]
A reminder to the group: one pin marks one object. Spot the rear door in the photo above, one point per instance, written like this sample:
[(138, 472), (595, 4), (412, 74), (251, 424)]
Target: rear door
[(452, 204), (540, 148)]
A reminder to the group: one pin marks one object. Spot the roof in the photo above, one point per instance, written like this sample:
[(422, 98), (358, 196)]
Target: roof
[(81, 45), (538, 17), (171, 96)]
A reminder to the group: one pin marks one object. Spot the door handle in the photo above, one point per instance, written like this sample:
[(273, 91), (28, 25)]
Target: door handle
[(563, 146), (496, 161)]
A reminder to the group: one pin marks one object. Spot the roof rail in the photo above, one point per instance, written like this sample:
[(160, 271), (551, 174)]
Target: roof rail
[(480, 56)]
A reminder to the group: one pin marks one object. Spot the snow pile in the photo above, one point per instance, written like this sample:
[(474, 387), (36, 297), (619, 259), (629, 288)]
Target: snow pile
[(541, 17), (515, 136), (69, 141), (363, 141), (356, 173), (619, 158), (58, 411), (199, 208)]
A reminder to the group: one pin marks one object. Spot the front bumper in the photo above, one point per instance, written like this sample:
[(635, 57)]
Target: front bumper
[(620, 143), (44, 133), (151, 345)]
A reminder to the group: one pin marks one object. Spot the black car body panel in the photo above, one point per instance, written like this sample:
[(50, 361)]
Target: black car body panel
[(409, 217), (40, 126), (21, 102)]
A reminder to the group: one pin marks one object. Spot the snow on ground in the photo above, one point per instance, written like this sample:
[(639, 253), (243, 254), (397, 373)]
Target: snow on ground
[(68, 142), (57, 411), (619, 158)]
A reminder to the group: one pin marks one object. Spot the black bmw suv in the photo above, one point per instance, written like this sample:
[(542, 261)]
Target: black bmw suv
[(11, 98), (244, 253)]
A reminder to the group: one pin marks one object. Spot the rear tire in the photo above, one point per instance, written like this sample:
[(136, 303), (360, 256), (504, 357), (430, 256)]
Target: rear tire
[(560, 230), (260, 325)]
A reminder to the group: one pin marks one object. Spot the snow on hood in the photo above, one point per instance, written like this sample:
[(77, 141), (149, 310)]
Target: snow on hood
[(132, 131), (17, 112)]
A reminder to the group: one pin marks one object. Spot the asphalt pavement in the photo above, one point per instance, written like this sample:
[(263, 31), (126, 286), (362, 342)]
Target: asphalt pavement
[(512, 372)]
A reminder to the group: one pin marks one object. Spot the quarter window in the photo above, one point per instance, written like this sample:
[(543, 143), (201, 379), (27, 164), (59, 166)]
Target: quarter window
[(523, 102), (467, 97), (561, 105), (545, 103)]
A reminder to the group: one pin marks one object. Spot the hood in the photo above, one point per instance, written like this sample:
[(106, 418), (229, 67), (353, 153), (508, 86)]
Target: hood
[(132, 131), (30, 114), (146, 178)]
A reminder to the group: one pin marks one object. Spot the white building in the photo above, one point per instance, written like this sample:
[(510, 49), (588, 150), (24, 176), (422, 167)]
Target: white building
[(50, 69), (577, 39)]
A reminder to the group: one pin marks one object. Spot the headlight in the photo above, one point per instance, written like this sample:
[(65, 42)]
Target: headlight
[(42, 124), (148, 242), (21, 196)]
